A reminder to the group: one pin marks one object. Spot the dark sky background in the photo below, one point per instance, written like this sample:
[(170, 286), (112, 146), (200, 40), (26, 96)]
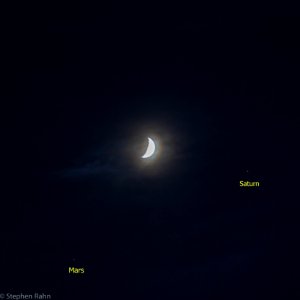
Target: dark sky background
[(219, 90)]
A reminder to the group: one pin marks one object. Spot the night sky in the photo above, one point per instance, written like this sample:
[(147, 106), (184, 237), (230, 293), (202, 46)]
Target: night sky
[(85, 88)]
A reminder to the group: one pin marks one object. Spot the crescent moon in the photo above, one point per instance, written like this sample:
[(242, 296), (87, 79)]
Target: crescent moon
[(150, 149)]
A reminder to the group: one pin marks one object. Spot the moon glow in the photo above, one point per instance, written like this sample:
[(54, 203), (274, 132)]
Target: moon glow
[(150, 149)]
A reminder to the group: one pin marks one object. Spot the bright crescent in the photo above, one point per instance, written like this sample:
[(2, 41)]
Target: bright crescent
[(150, 149)]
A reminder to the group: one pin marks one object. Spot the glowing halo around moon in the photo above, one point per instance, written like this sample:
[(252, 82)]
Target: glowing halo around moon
[(150, 149)]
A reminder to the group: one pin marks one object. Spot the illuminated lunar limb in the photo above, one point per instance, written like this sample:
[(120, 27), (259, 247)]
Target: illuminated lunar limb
[(150, 149)]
